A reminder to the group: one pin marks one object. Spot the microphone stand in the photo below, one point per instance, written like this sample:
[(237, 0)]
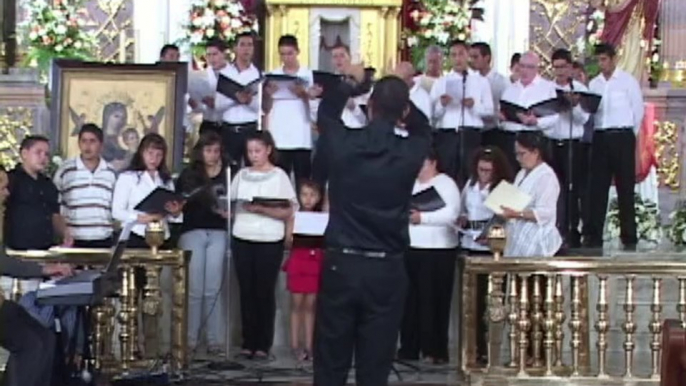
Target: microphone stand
[(570, 166), (461, 134)]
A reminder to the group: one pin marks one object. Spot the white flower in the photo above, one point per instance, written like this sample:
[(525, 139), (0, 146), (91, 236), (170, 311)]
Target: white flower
[(61, 30), (57, 160), (78, 45), (443, 37), (412, 41), (33, 35), (209, 33), (59, 48), (196, 22)]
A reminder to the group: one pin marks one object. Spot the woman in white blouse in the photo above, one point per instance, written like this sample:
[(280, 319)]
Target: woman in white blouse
[(430, 264), (532, 232), (258, 242), (489, 167)]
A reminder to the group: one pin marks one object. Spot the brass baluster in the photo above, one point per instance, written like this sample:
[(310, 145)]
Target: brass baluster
[(656, 328), (549, 324), (524, 325), (629, 326), (681, 305), (602, 326), (98, 337), (537, 321), (16, 290), (151, 306), (559, 320), (512, 320), (575, 325), (495, 315), (179, 340), (133, 311), (123, 317)]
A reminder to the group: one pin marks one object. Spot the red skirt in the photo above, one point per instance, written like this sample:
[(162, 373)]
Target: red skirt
[(303, 268)]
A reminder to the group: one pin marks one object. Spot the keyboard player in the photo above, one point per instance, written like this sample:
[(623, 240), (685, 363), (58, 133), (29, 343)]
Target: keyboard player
[(31, 345)]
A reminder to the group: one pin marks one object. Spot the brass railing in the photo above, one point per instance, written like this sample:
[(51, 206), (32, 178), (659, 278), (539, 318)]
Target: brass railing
[(130, 303), (530, 310)]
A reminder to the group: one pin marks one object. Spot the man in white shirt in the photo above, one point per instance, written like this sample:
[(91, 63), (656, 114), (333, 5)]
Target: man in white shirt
[(433, 68), (481, 60), (289, 115), (353, 116), (568, 153), (617, 122), (530, 89), (461, 100), (232, 119), (418, 95), (85, 184)]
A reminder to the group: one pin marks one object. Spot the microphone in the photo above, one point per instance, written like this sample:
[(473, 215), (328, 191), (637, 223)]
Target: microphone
[(571, 83), (464, 75)]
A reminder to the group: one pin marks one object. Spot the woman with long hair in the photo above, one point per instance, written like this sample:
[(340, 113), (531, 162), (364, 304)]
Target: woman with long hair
[(488, 168), (430, 264), (204, 234), (258, 241)]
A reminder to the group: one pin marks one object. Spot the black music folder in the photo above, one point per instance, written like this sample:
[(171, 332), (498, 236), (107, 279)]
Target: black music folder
[(271, 202), (229, 87), (541, 109), (327, 80), (154, 203), (588, 101), (427, 200), (364, 109)]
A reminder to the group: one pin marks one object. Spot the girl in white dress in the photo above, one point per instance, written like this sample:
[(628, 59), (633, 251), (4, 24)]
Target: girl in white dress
[(532, 232)]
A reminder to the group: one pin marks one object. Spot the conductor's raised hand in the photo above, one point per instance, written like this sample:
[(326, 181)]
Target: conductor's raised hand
[(355, 71), (174, 207)]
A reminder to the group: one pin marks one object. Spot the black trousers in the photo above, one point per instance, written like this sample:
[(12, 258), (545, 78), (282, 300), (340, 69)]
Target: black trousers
[(426, 320), (455, 150), (359, 310), (505, 141), (569, 204), (613, 156), (489, 137), (104, 243), (298, 161), (233, 139), (257, 268), (31, 347)]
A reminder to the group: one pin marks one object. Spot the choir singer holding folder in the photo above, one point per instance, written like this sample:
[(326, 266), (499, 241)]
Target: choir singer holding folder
[(529, 90)]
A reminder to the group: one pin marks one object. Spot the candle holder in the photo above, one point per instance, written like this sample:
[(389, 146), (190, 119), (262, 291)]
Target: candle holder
[(497, 240)]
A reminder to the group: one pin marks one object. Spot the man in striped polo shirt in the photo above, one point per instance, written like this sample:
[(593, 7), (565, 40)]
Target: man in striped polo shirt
[(85, 184)]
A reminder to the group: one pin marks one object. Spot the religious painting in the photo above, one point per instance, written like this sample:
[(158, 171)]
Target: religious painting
[(127, 101)]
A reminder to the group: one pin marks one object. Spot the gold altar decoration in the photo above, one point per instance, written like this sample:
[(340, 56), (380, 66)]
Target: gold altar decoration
[(667, 149), (555, 24), (537, 309), (379, 29), (105, 316)]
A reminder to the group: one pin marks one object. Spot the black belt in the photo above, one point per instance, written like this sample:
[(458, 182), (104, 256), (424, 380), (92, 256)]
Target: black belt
[(562, 142), (238, 127), (476, 225), (365, 253), (615, 130)]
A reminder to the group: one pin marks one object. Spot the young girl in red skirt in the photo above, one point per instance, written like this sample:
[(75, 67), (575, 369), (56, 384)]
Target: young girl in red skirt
[(303, 268)]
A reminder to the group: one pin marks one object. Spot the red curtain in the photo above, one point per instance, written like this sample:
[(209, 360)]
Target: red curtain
[(617, 20)]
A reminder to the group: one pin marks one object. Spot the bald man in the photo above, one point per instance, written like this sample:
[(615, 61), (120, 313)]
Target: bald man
[(418, 95), (528, 90)]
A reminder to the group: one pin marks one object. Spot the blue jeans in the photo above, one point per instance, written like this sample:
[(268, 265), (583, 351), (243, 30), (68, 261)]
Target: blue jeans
[(205, 274)]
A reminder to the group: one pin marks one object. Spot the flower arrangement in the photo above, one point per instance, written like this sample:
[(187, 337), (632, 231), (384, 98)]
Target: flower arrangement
[(654, 61), (216, 19), (55, 31), (585, 44), (437, 22), (676, 232), (647, 220)]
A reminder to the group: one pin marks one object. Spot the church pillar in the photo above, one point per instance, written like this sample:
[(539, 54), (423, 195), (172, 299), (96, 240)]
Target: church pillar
[(9, 26), (151, 21)]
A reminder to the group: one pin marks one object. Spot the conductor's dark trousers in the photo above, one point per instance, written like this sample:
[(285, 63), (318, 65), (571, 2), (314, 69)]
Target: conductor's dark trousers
[(31, 347), (359, 310)]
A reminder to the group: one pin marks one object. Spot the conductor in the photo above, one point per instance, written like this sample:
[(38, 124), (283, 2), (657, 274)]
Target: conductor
[(371, 175)]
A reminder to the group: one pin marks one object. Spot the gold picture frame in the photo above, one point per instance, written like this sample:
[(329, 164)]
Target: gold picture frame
[(126, 100)]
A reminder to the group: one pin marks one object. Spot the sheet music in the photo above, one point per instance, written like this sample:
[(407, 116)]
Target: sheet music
[(507, 195), (453, 88), (310, 223), (199, 86), (284, 89)]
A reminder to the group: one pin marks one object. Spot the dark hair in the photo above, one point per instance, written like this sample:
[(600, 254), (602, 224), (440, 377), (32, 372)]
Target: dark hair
[(562, 54), (30, 140), (288, 41), (533, 140), (342, 46), (501, 168), (515, 59), (432, 155), (244, 34), (155, 141), (91, 128), (266, 139), (459, 43), (195, 175), (484, 48), (390, 97), (579, 66), (605, 49), (220, 45), (168, 47)]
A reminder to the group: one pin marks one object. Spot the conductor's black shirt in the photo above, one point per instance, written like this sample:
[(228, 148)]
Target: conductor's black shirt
[(371, 172)]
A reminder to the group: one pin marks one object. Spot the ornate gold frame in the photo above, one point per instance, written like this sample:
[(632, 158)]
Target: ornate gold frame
[(379, 28)]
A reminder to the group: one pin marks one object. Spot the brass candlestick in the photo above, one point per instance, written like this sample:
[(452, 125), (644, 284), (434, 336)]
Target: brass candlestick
[(602, 326), (655, 327), (154, 235), (497, 240)]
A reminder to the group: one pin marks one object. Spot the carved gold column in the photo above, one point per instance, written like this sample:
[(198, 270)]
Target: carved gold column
[(370, 41), (549, 324), (179, 340), (127, 318), (559, 320), (512, 320), (575, 325), (602, 326), (151, 306), (629, 327), (392, 36), (537, 320), (656, 329), (495, 315), (524, 324)]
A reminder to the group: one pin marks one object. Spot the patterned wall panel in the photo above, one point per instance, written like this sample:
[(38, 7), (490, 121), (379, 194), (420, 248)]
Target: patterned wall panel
[(556, 24), (112, 21)]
